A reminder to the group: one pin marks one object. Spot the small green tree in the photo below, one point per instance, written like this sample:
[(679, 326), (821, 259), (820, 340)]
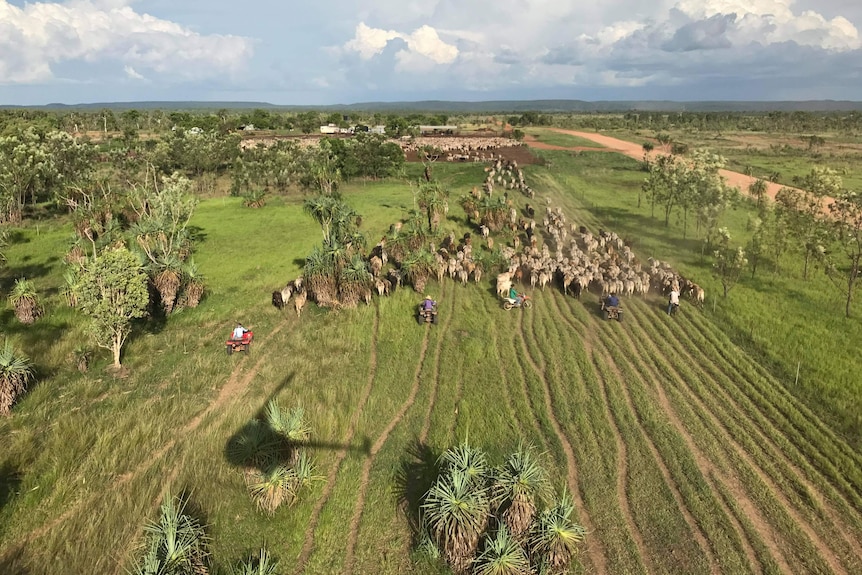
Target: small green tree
[(729, 261), (112, 291), (757, 190), (846, 232)]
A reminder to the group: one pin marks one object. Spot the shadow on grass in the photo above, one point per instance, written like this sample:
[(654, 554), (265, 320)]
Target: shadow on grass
[(257, 432), (12, 563), (27, 270), (10, 480), (416, 473)]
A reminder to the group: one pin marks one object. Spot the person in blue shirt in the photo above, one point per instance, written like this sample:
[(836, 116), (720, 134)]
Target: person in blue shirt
[(612, 301)]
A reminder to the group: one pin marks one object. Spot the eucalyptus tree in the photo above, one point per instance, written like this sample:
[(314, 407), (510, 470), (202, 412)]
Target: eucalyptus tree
[(845, 227), (729, 261)]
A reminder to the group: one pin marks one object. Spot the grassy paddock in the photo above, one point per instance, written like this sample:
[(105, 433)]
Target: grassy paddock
[(684, 443)]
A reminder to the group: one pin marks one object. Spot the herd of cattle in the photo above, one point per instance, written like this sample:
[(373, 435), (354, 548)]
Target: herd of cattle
[(570, 257)]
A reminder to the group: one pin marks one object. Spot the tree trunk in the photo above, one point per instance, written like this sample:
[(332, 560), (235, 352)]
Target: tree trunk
[(805, 269), (854, 273), (115, 347)]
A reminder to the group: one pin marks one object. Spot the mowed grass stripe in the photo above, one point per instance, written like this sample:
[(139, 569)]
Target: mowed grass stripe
[(759, 440), (712, 467), (711, 522), (331, 476), (375, 448), (399, 338), (608, 548), (796, 538), (659, 530), (667, 534), (814, 445)]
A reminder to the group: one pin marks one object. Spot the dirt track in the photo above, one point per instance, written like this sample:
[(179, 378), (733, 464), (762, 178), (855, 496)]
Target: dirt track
[(636, 151)]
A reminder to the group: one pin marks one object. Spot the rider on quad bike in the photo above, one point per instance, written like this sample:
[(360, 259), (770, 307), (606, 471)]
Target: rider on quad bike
[(428, 310)]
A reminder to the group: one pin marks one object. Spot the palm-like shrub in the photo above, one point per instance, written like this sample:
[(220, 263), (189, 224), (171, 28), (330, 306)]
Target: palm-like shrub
[(518, 486), (193, 285), (354, 281), (25, 301), (167, 280), (555, 537), (263, 564), (254, 446), (272, 487), (176, 544), (417, 267), (503, 555), (16, 371), (290, 425), (455, 511), (469, 460), (320, 274), (493, 212), (70, 282)]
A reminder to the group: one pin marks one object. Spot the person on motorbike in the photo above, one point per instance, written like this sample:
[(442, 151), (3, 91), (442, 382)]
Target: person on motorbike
[(612, 301), (514, 295), (428, 304)]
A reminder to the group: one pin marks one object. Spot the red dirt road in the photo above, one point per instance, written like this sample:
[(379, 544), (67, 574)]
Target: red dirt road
[(636, 151)]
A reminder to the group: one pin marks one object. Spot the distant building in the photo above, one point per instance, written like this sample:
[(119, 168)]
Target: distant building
[(377, 130)]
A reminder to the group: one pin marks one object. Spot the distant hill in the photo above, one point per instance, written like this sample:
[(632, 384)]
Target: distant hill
[(491, 106)]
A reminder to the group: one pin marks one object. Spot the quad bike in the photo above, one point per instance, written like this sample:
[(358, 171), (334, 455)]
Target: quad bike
[(612, 311), (244, 344), (427, 315), (526, 302)]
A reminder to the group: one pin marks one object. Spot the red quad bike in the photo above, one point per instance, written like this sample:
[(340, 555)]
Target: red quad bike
[(244, 344)]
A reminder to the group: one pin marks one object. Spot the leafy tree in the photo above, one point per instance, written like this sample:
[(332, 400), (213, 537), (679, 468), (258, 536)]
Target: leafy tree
[(16, 371), (729, 262), (112, 291), (803, 211), (321, 170), (843, 266), (374, 156)]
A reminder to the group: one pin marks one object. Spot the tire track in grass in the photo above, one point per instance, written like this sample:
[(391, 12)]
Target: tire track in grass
[(639, 365), (503, 379), (308, 544), (825, 551), (229, 389), (731, 483), (707, 332), (622, 470), (442, 330), (596, 555), (758, 422), (802, 440), (622, 467), (694, 528), (375, 448)]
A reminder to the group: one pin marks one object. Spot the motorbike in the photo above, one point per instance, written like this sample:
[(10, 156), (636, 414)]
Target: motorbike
[(525, 301)]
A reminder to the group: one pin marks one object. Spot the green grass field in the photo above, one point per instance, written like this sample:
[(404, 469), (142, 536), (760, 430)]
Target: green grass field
[(557, 139), (685, 442)]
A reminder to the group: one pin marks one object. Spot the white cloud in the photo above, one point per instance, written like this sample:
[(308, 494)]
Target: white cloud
[(40, 35), (132, 73), (424, 46)]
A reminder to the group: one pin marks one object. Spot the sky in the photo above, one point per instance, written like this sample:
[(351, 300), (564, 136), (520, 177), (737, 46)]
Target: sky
[(346, 51)]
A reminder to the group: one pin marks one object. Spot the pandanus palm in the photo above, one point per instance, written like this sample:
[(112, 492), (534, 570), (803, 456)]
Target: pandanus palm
[(176, 544), (289, 425), (25, 301), (519, 484), (503, 555), (16, 371), (555, 537), (417, 267), (354, 281), (455, 511), (469, 460)]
